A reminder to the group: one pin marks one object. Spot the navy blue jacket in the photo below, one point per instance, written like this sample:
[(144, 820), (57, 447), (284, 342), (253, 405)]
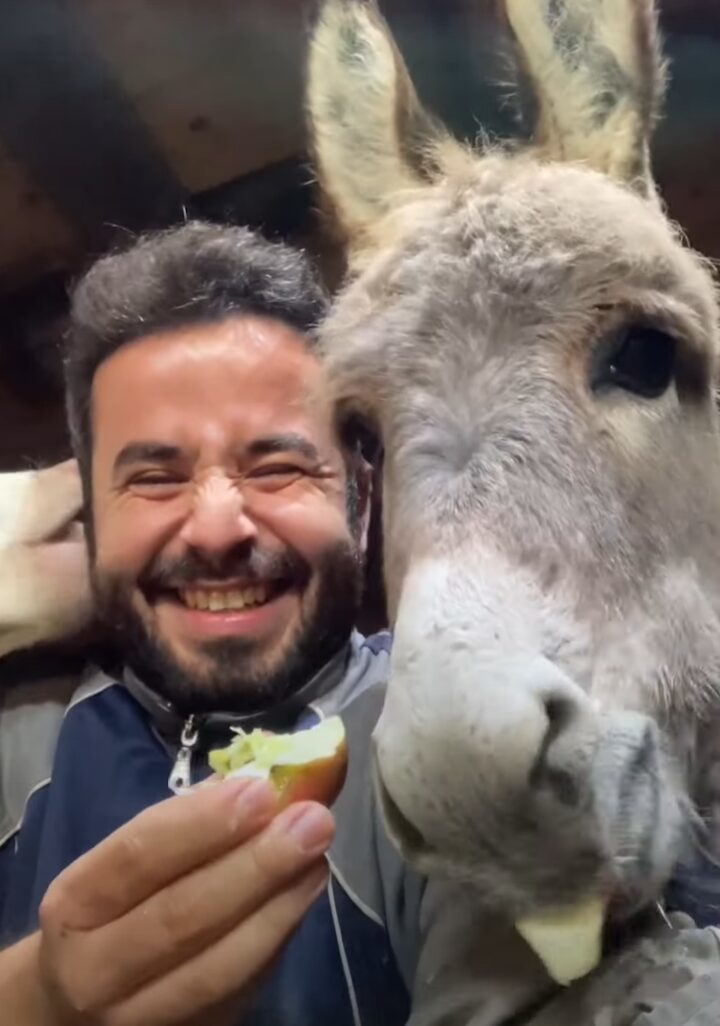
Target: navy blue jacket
[(91, 765), (380, 947)]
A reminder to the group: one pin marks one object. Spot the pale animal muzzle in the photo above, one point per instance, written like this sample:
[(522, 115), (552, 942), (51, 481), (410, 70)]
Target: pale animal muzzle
[(495, 767)]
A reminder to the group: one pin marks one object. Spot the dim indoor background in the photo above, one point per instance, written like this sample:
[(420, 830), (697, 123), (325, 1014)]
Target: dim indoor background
[(120, 115)]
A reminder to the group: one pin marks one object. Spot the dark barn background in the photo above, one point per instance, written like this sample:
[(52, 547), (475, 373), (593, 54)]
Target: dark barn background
[(118, 115)]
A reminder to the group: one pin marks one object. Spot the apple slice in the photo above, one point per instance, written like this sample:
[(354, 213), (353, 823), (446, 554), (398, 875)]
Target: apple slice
[(567, 941), (309, 765)]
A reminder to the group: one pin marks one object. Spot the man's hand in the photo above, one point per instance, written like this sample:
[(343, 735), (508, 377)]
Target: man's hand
[(172, 919)]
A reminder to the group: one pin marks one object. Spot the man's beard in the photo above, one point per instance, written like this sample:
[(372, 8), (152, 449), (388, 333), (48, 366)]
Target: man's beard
[(234, 676)]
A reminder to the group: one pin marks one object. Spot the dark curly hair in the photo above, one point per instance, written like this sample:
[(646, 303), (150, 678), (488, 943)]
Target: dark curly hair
[(196, 273)]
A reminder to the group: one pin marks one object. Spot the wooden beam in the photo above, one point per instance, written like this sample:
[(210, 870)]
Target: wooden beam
[(65, 119), (278, 200), (218, 84), (691, 17)]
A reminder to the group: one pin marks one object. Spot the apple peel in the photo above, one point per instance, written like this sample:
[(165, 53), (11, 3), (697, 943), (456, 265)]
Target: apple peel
[(567, 941), (309, 765)]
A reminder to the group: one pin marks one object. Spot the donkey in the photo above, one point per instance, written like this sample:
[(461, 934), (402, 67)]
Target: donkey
[(536, 347), (44, 580)]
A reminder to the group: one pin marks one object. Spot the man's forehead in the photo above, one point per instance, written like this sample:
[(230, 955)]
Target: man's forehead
[(241, 375), (248, 343)]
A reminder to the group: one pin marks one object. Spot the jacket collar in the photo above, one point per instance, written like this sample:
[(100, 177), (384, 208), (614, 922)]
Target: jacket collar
[(169, 722)]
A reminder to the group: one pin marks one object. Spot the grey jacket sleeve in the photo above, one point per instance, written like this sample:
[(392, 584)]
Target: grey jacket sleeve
[(30, 718), (484, 975), (31, 714), (472, 975), (472, 969), (668, 977)]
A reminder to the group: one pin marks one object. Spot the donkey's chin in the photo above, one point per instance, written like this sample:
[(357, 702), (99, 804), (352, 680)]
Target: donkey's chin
[(499, 886), (406, 838), (624, 855)]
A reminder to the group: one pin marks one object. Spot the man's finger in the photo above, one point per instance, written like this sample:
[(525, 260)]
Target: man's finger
[(197, 910), (163, 843), (228, 967)]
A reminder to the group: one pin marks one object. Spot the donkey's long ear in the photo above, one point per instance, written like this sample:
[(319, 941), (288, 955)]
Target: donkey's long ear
[(598, 78), (371, 136)]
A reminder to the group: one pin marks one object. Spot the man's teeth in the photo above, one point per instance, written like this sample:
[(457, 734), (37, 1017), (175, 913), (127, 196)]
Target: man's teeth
[(220, 601)]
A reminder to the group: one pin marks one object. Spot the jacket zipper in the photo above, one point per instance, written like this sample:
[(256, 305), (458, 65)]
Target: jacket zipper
[(180, 779)]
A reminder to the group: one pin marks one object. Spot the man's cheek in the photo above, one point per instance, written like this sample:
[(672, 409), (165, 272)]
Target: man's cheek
[(312, 529), (119, 548), (108, 562)]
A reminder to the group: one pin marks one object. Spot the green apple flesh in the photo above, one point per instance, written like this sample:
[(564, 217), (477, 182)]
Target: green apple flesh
[(567, 941), (309, 765)]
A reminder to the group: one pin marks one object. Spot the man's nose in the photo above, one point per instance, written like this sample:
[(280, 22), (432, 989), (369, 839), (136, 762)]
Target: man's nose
[(219, 519)]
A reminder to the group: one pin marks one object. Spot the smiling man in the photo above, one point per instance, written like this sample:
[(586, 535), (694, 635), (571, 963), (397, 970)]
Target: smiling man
[(226, 531), (227, 527), (228, 522)]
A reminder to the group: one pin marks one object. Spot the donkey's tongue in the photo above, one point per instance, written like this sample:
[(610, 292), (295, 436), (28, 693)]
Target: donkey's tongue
[(568, 942)]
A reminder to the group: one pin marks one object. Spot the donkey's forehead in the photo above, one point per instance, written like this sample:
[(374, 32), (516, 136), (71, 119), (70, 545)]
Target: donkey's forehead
[(523, 228)]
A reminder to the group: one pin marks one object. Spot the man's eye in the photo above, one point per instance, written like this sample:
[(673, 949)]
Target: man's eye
[(157, 480), (278, 470)]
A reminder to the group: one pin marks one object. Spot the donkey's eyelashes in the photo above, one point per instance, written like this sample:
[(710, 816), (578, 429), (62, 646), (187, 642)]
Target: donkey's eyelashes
[(358, 431), (638, 359)]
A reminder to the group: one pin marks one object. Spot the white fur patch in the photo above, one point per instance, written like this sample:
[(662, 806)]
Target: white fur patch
[(35, 504), (15, 499), (44, 587), (468, 687)]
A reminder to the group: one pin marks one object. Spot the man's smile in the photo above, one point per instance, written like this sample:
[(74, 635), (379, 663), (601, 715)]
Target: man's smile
[(232, 608), (220, 597)]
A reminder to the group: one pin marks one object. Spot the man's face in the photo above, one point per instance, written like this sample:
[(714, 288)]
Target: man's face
[(223, 553)]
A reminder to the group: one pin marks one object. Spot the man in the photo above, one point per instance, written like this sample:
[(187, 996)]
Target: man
[(226, 539), (226, 532)]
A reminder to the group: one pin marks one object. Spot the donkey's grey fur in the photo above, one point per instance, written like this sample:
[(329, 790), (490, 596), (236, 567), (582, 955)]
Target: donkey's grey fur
[(552, 552)]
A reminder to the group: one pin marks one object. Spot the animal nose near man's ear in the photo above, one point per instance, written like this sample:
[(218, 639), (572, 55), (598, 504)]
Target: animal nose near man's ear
[(218, 519)]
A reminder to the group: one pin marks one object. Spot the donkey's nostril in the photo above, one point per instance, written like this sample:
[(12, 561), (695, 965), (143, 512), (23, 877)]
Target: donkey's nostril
[(562, 784), (560, 711), (549, 773)]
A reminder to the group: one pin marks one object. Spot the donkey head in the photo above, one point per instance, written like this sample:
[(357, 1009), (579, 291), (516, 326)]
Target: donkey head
[(44, 582), (536, 348)]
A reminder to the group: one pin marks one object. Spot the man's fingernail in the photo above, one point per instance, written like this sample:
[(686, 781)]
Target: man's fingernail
[(310, 826), (255, 799)]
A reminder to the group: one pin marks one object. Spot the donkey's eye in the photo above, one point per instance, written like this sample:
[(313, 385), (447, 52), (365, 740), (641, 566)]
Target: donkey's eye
[(358, 431), (638, 359)]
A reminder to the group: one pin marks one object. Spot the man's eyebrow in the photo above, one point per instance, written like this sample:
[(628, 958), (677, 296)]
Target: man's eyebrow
[(146, 452), (290, 442)]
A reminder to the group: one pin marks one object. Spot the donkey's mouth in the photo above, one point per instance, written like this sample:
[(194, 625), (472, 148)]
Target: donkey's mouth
[(409, 841)]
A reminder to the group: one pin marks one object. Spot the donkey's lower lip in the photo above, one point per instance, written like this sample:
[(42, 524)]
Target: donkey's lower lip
[(408, 840)]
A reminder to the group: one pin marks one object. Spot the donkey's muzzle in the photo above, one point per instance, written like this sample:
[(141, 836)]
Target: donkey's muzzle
[(527, 790)]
